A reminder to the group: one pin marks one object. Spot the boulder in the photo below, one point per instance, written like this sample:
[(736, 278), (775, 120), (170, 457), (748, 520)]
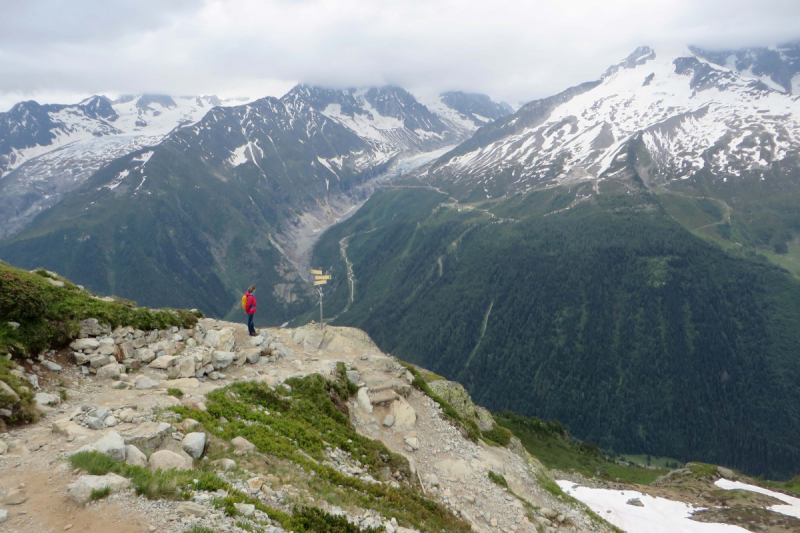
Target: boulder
[(254, 484), (110, 371), (353, 376), (146, 383), (134, 456), (222, 339), (147, 436), (84, 344), (388, 421), (3, 515), (184, 368), (95, 423), (162, 363), (382, 363), (97, 360), (167, 460), (313, 339), (144, 355), (189, 424), (84, 448), (112, 445), (222, 359), (257, 341), (363, 399), (127, 414), (81, 491), (405, 418), (242, 445), (51, 366), (251, 355), (194, 444), (42, 398)]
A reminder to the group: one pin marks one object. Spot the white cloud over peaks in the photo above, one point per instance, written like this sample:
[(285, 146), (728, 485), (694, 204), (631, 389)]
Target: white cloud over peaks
[(512, 50)]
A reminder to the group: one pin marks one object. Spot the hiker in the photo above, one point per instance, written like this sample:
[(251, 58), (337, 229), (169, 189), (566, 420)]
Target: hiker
[(249, 306)]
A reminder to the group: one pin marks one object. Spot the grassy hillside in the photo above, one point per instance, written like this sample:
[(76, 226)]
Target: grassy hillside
[(37, 314), (608, 316)]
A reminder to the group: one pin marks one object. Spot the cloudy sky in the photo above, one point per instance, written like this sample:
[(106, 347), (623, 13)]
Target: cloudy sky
[(62, 50)]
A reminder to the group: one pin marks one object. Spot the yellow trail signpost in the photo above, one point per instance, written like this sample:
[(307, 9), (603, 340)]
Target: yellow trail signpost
[(319, 280)]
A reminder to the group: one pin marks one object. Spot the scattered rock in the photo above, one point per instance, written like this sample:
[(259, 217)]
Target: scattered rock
[(162, 363), (3, 512), (46, 399), (110, 371), (388, 421), (192, 509), (222, 359), (636, 502), (51, 366), (112, 445), (95, 423), (16, 496), (81, 491), (134, 456), (353, 376), (245, 509), (167, 460), (194, 444), (146, 383), (147, 436), (184, 368), (84, 344), (227, 464), (242, 445)]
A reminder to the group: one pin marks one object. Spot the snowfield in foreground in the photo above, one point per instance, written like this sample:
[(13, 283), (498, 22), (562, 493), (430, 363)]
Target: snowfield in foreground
[(658, 515)]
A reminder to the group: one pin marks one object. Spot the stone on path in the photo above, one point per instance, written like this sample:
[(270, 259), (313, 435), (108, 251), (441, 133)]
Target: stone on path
[(111, 446), (3, 515), (184, 368), (110, 371), (222, 359), (16, 496), (162, 363), (146, 383), (42, 398), (192, 509), (363, 400), (147, 436), (81, 491), (405, 418)]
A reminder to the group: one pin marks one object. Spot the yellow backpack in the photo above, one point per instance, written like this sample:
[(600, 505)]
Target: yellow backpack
[(244, 303)]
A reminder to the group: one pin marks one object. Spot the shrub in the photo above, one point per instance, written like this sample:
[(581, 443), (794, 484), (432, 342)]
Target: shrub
[(99, 494), (498, 479), (175, 392), (20, 299)]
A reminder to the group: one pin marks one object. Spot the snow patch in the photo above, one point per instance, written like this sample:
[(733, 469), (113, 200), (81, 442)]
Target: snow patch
[(658, 515)]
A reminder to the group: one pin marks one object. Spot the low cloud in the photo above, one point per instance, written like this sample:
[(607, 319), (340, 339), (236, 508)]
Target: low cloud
[(514, 51)]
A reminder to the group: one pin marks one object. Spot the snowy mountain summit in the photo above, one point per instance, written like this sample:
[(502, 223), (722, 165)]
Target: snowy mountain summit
[(48, 150), (669, 114)]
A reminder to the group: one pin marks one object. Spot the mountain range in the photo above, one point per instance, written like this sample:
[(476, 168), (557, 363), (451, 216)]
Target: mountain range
[(604, 257), (621, 256), (214, 204)]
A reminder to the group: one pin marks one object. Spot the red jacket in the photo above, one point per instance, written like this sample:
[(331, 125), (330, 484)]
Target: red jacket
[(250, 304)]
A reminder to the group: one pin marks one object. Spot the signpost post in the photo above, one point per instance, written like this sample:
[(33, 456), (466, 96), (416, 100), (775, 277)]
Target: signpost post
[(319, 280)]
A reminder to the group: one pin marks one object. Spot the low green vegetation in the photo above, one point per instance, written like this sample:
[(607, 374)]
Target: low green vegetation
[(498, 479), (556, 448), (49, 315), (609, 316), (99, 494), (300, 423), (178, 393)]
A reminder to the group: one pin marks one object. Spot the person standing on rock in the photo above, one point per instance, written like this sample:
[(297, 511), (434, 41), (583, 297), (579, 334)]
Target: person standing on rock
[(249, 305)]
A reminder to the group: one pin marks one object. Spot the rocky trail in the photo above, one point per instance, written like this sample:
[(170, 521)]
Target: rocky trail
[(113, 392)]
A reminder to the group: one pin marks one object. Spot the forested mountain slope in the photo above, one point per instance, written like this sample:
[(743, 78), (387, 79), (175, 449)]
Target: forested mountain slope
[(604, 314), (228, 201)]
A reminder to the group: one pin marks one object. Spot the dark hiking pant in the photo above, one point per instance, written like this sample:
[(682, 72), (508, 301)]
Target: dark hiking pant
[(250, 326)]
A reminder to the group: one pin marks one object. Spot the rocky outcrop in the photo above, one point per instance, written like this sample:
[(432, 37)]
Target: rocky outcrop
[(456, 395)]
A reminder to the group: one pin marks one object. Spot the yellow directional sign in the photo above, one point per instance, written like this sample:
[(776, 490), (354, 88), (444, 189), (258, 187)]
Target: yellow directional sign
[(322, 277), (318, 272), (323, 282)]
